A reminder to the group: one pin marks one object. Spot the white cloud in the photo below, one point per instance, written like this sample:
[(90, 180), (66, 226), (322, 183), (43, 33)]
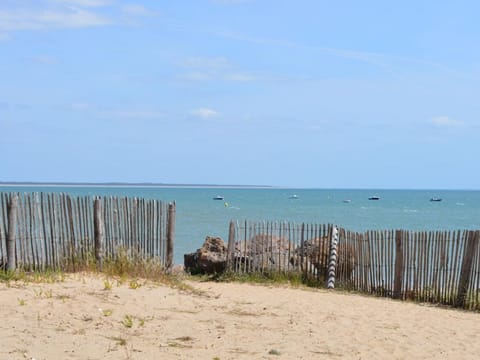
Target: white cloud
[(51, 14), (73, 18), (43, 19), (241, 77), (84, 3), (389, 63), (205, 113), (138, 10), (445, 121)]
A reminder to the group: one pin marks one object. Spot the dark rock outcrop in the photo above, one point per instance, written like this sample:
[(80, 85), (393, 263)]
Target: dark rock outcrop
[(211, 258)]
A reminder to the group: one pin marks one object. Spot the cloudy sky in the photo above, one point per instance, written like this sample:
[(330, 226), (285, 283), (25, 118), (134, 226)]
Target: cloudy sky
[(345, 94)]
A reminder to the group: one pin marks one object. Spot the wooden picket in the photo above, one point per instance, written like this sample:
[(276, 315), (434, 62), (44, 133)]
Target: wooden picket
[(56, 230), (438, 266)]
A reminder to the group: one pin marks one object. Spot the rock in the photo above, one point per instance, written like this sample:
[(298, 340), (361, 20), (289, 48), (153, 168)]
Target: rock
[(190, 262), (177, 269), (317, 253), (314, 252), (265, 252), (211, 258), (269, 252)]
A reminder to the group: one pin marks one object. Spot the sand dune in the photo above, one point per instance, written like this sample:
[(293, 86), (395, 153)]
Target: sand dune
[(80, 319)]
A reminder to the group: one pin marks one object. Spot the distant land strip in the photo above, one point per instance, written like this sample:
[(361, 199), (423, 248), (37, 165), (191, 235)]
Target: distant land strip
[(126, 184)]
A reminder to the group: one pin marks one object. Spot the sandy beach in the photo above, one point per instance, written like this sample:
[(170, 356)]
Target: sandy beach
[(89, 316)]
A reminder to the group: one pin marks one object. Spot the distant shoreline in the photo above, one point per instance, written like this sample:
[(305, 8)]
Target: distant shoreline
[(132, 185), (204, 186)]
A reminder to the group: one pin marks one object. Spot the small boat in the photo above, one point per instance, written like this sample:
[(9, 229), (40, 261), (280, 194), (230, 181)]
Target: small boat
[(436, 199), (293, 197), (374, 197), (218, 197), (347, 201)]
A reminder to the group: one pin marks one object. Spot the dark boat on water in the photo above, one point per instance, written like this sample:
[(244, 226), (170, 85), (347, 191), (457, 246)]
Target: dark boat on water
[(436, 199), (374, 198), (218, 197)]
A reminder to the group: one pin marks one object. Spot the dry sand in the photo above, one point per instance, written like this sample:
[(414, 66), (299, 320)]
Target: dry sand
[(79, 319)]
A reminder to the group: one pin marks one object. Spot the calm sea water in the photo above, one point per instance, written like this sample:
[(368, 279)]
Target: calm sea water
[(198, 215)]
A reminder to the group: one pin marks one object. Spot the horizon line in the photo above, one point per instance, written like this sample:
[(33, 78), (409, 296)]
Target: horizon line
[(121, 183), (199, 185)]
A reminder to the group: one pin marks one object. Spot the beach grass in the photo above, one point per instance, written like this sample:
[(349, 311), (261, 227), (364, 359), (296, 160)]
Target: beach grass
[(132, 270), (294, 279), (136, 271)]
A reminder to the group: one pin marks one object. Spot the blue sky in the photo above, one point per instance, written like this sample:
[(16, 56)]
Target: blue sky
[(355, 94)]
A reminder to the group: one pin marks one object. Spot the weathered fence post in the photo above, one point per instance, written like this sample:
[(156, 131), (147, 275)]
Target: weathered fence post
[(230, 246), (99, 233), (465, 272), (12, 231), (332, 264), (170, 235), (398, 280), (303, 249)]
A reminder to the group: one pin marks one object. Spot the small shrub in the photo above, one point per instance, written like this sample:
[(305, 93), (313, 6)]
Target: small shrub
[(120, 341), (127, 321), (63, 297), (134, 284), (107, 285), (274, 352)]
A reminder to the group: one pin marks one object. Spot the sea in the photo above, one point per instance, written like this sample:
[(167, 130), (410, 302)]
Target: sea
[(198, 215)]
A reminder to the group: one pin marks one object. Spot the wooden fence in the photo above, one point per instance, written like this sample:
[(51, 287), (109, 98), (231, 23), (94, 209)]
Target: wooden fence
[(279, 247), (41, 231), (438, 267)]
